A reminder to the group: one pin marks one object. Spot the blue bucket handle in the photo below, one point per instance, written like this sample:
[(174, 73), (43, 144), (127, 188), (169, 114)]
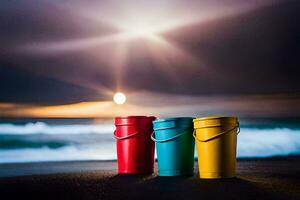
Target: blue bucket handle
[(237, 126), (169, 139), (125, 137)]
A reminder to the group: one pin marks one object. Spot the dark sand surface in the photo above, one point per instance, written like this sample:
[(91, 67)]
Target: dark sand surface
[(257, 179)]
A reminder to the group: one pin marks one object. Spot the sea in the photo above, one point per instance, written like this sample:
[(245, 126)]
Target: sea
[(41, 140)]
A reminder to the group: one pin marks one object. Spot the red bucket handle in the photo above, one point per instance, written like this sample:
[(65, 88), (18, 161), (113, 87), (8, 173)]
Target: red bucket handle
[(125, 137), (169, 139), (215, 136)]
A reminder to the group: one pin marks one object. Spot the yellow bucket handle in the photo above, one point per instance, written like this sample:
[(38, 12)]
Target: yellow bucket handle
[(125, 137), (215, 136)]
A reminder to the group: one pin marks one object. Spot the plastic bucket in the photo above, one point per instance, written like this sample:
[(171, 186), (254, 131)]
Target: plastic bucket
[(216, 139), (174, 146), (135, 149)]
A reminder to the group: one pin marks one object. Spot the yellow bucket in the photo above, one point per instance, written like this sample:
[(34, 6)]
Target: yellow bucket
[(216, 139)]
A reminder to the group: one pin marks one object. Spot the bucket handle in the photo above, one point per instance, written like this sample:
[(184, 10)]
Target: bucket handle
[(124, 137), (215, 136), (169, 139)]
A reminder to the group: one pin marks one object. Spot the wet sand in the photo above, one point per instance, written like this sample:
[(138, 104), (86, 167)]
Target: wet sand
[(277, 178)]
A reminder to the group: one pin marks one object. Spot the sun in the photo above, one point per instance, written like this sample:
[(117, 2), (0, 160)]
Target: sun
[(119, 98)]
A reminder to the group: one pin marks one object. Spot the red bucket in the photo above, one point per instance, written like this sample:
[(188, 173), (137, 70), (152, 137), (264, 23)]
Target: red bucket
[(135, 149)]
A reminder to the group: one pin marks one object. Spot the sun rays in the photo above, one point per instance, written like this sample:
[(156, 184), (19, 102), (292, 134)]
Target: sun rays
[(139, 30), (115, 50)]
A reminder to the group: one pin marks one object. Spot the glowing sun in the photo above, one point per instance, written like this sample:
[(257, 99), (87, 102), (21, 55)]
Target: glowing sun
[(119, 98)]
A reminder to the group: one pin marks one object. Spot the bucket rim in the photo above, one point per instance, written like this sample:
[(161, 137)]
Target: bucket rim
[(172, 119), (132, 120), (134, 116), (214, 117)]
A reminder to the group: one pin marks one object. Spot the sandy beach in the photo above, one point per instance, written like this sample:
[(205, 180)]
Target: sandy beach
[(277, 178)]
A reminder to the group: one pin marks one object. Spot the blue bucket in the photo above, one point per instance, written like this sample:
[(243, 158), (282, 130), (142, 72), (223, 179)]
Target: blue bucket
[(175, 146)]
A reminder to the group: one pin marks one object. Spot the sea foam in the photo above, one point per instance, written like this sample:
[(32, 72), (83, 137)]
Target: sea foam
[(43, 128), (33, 142)]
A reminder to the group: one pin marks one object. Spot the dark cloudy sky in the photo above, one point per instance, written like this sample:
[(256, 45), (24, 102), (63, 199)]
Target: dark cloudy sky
[(52, 52)]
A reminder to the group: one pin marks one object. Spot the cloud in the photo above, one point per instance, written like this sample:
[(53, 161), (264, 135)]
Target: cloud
[(251, 49), (162, 105)]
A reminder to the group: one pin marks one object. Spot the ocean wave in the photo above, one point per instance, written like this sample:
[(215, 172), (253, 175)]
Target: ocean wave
[(253, 142), (69, 153), (43, 128), (12, 143), (59, 146), (52, 141)]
